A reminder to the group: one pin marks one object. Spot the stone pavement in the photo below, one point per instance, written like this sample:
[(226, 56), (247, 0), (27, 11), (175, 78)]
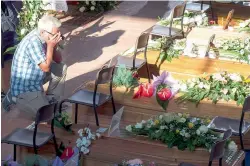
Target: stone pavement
[(89, 46)]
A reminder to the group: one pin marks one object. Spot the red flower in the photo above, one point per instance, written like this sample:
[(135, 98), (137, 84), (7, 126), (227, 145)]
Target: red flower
[(164, 94), (67, 153), (138, 94), (147, 90)]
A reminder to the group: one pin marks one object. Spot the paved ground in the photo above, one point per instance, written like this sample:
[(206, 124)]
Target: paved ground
[(90, 46)]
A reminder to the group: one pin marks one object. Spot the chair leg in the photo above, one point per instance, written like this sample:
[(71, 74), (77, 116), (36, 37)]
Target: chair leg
[(148, 72), (96, 116), (35, 150), (14, 153), (113, 105), (76, 113), (220, 162), (212, 12), (55, 144)]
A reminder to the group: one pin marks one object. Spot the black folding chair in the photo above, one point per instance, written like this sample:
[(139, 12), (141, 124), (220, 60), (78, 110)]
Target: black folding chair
[(93, 98), (133, 63), (34, 138), (170, 32), (238, 127), (217, 151)]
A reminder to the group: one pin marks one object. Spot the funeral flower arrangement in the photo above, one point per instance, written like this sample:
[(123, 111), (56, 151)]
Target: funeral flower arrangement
[(96, 6), (235, 48), (199, 19), (245, 26), (86, 136), (180, 130), (125, 77), (219, 86), (163, 87), (135, 162)]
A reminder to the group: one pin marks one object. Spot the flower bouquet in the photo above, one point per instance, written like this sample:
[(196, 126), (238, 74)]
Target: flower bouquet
[(84, 141), (181, 130), (219, 86), (164, 87), (234, 48), (245, 26), (134, 162)]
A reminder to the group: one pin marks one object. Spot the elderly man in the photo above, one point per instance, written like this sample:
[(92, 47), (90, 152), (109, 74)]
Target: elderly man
[(37, 61)]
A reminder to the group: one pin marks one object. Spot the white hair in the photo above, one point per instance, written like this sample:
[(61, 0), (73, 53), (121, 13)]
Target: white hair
[(48, 23)]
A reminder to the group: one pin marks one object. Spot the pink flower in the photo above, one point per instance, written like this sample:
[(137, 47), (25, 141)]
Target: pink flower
[(134, 162)]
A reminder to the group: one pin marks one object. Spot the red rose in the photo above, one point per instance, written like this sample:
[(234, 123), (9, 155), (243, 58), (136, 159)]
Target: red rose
[(147, 90), (164, 94)]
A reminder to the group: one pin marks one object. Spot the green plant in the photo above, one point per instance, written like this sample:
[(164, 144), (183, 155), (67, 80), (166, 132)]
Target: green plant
[(96, 6), (64, 121), (125, 77), (171, 49), (31, 12), (237, 48), (245, 26), (181, 130), (219, 86)]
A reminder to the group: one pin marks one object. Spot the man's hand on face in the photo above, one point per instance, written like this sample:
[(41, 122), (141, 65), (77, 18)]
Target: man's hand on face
[(52, 42)]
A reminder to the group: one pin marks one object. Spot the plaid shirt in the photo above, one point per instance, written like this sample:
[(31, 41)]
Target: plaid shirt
[(26, 76)]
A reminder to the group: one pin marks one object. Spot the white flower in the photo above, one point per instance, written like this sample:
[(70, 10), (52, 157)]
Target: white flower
[(183, 87), (198, 132), (129, 128), (82, 9), (180, 114), (93, 3), (232, 146), (160, 117), (191, 20), (242, 51), (163, 127), (224, 91), (87, 2), (182, 120), (182, 132), (185, 20), (32, 23), (84, 150), (92, 8), (204, 15), (143, 122), (138, 125), (225, 47), (206, 86), (201, 85), (191, 85), (18, 16), (34, 17), (23, 31), (198, 18), (98, 135), (187, 135), (203, 129), (242, 24), (218, 77), (235, 77)]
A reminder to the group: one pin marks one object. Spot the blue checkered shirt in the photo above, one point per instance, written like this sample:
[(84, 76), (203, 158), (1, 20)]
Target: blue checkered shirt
[(26, 76)]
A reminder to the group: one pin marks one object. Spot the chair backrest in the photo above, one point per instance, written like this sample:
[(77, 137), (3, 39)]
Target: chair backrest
[(46, 113), (105, 75), (178, 12), (218, 148)]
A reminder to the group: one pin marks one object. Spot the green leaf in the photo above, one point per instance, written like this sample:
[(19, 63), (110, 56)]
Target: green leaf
[(163, 104), (10, 50)]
